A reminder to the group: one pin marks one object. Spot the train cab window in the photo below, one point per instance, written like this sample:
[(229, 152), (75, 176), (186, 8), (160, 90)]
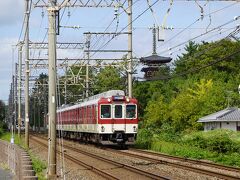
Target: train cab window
[(118, 111), (105, 111), (130, 111)]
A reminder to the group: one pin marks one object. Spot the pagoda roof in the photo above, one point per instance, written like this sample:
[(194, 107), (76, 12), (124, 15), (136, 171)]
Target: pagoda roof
[(155, 59)]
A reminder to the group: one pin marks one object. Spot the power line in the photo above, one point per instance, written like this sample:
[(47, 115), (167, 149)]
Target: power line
[(188, 27), (127, 25), (193, 70), (218, 27)]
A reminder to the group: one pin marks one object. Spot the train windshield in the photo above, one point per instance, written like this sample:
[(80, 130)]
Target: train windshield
[(118, 111), (106, 111), (130, 111)]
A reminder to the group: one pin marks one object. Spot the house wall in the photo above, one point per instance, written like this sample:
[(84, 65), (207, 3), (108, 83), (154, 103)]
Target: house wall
[(220, 125), (229, 125), (211, 126)]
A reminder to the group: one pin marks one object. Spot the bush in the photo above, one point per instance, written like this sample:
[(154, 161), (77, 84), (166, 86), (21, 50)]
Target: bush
[(221, 146), (181, 150), (38, 166), (220, 141), (3, 127), (1, 131), (167, 133), (144, 138)]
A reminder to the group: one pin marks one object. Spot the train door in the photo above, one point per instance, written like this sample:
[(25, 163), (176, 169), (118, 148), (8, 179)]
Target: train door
[(118, 123)]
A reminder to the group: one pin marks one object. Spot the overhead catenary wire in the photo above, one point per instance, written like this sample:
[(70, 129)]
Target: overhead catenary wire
[(196, 69), (101, 36), (204, 40), (190, 25), (103, 46), (218, 27)]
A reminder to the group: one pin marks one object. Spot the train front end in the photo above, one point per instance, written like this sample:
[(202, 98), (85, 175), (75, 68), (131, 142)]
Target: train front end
[(117, 120)]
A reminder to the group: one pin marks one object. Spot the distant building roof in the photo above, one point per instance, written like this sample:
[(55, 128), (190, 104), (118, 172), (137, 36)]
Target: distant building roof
[(155, 59), (228, 114)]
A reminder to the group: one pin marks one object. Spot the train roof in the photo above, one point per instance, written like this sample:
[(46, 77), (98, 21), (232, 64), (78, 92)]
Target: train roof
[(93, 99)]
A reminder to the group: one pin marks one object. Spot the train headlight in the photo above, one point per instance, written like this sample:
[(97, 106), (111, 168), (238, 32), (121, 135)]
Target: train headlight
[(127, 99), (134, 129), (102, 128), (109, 100)]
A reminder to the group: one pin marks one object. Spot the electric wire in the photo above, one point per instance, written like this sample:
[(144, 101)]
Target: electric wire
[(204, 40), (194, 69), (101, 36), (218, 27), (188, 27), (126, 26), (194, 58)]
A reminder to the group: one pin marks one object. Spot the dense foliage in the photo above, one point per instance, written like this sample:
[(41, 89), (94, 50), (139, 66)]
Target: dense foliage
[(3, 125), (2, 110), (202, 81), (39, 102), (222, 146)]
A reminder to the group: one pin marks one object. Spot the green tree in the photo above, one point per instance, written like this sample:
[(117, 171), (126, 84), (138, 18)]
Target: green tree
[(2, 110), (182, 63), (107, 79), (75, 78), (179, 102), (39, 101), (156, 113)]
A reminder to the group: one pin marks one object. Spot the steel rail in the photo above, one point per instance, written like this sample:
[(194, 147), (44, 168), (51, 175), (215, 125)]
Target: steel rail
[(198, 162), (77, 161), (176, 164), (121, 165), (118, 164)]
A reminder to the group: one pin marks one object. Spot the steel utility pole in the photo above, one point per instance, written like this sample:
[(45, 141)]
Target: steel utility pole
[(19, 86), (15, 96), (52, 10), (27, 73), (87, 66), (129, 57)]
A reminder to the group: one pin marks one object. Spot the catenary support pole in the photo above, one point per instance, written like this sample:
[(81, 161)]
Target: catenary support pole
[(19, 87), (87, 66), (52, 88), (129, 57), (26, 91), (15, 96)]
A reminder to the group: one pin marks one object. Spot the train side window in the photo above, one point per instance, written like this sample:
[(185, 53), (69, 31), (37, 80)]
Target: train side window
[(118, 111), (130, 111), (106, 111)]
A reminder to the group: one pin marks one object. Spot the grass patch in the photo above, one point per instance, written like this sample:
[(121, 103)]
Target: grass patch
[(4, 166), (39, 167), (7, 137), (187, 151), (220, 146)]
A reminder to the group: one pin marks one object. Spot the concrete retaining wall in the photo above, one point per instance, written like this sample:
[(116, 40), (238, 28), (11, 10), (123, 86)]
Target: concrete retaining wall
[(18, 161)]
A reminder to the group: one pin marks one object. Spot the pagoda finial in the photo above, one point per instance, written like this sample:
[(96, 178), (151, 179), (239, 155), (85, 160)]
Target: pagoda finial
[(154, 40)]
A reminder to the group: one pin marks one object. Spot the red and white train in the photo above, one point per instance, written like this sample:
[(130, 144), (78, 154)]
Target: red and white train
[(106, 118)]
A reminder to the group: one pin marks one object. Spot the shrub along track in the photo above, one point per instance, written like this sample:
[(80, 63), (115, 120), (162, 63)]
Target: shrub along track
[(122, 169), (206, 168)]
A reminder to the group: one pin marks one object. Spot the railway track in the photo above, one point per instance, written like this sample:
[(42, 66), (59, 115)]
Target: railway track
[(198, 162), (178, 162), (154, 159), (99, 171), (81, 163)]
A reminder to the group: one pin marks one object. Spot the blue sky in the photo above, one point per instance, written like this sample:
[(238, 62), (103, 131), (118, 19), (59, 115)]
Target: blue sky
[(182, 14)]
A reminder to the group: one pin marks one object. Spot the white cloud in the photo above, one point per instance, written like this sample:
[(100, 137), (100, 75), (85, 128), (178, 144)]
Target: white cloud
[(11, 11), (6, 65)]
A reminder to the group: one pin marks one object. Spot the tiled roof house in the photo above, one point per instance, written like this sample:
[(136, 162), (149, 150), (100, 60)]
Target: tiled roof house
[(228, 118)]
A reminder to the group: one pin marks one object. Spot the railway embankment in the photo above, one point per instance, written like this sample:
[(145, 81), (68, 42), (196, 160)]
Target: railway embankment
[(17, 160)]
